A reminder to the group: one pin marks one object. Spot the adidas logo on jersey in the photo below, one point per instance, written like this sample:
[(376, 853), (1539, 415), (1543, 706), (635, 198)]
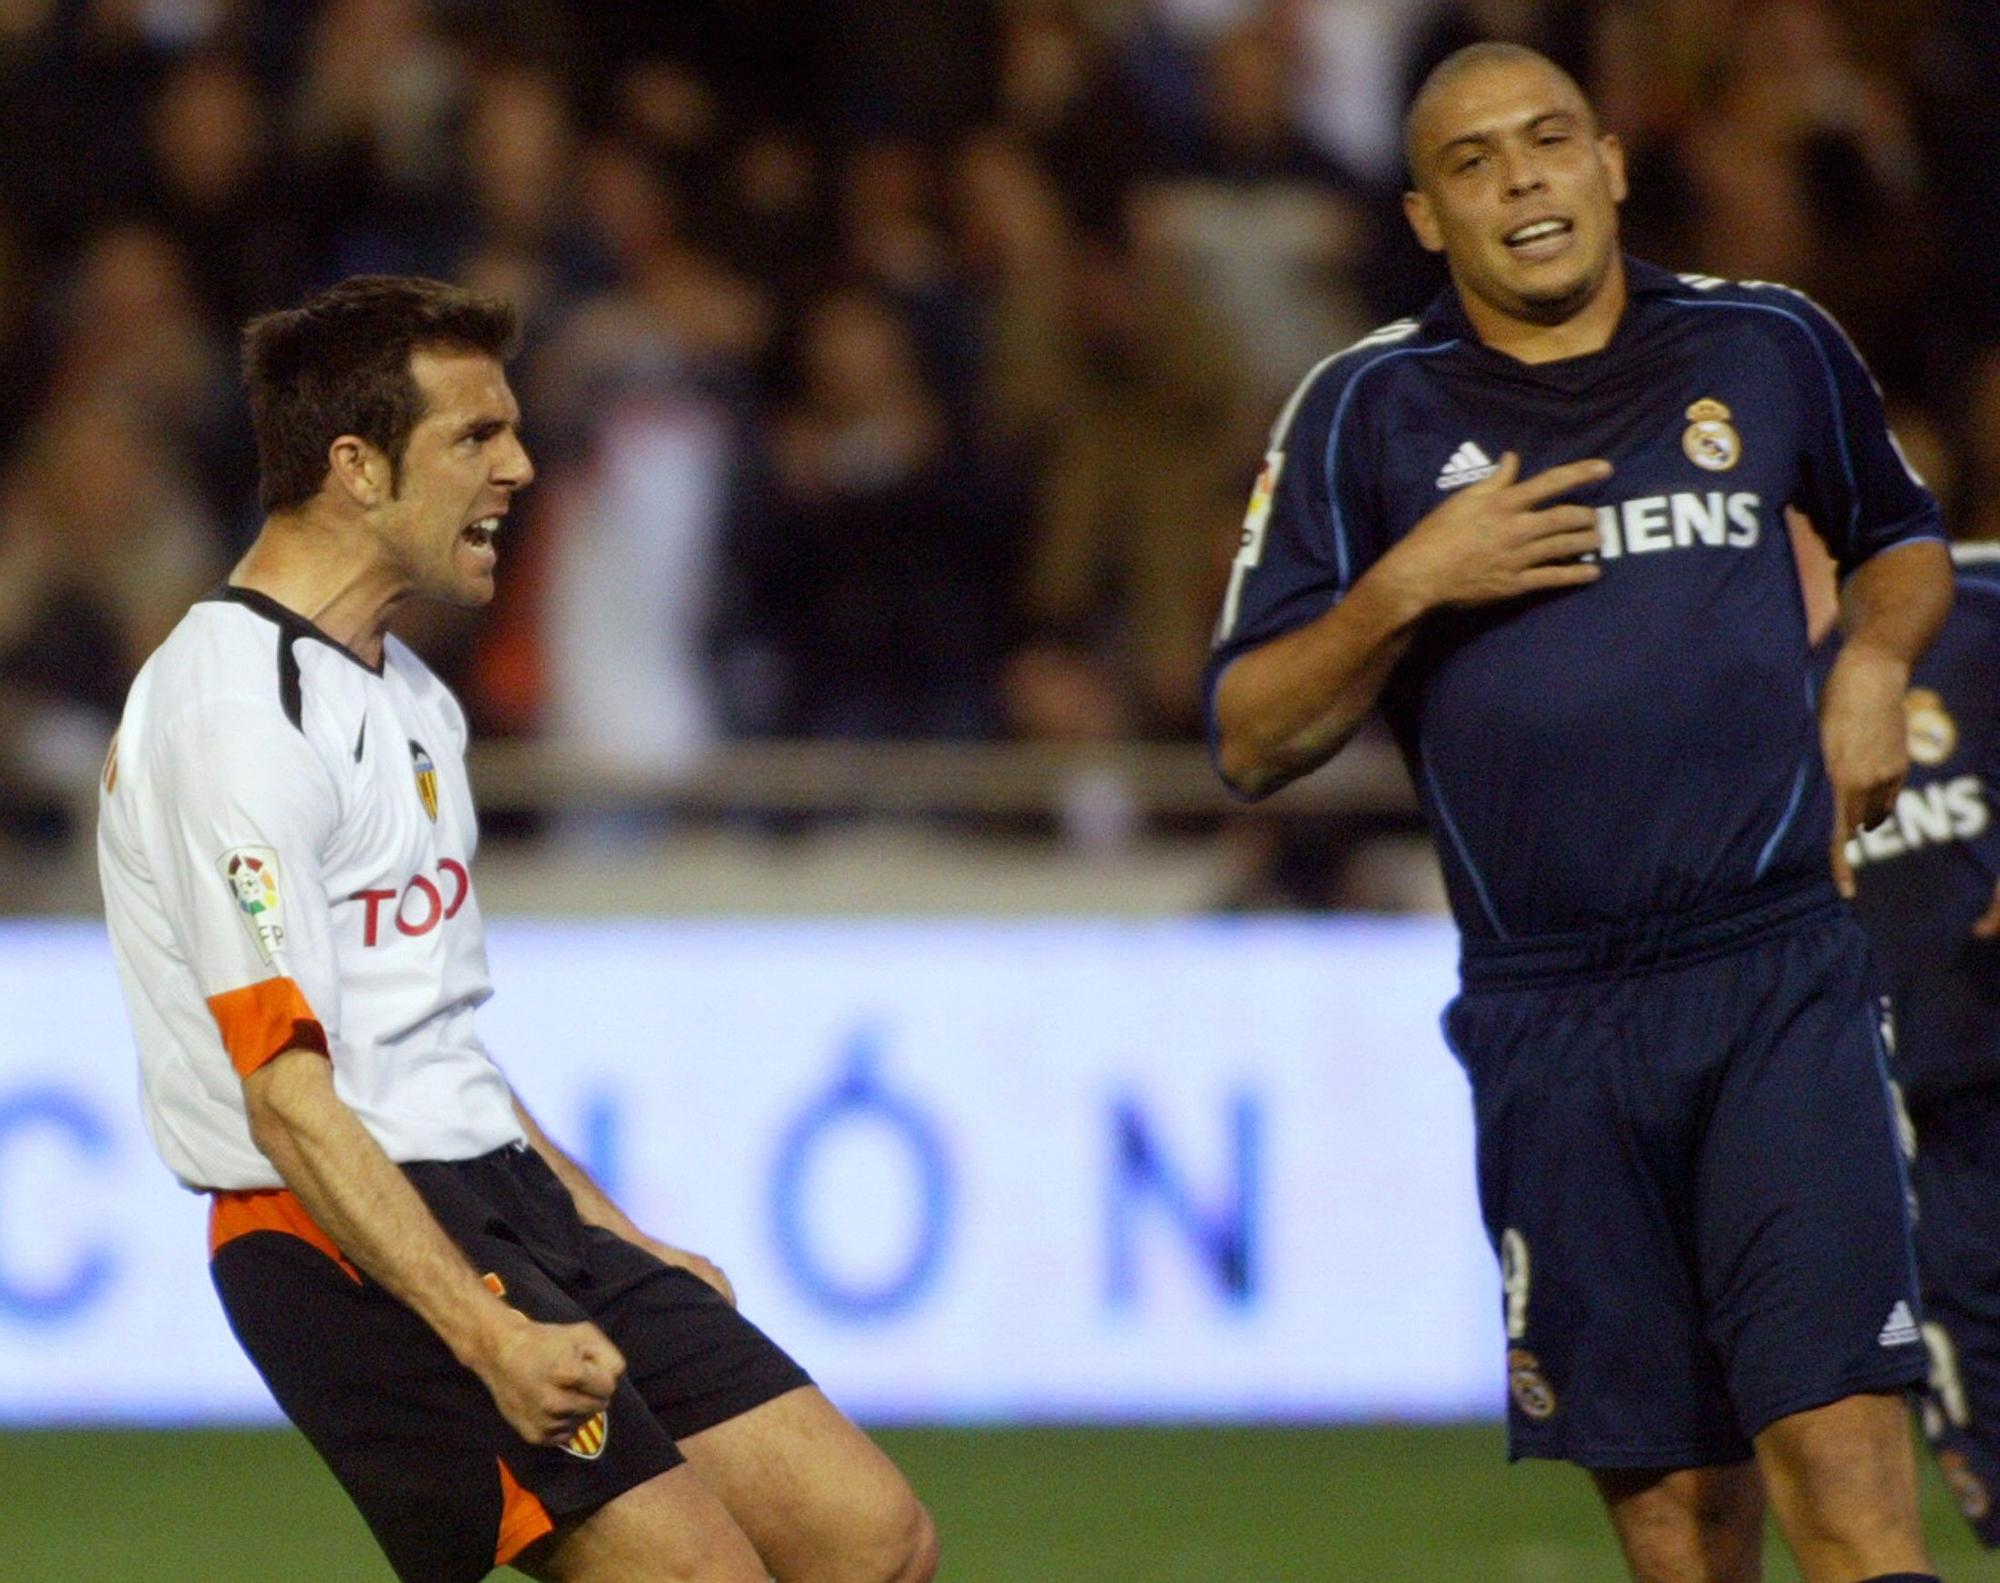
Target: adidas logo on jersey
[(1900, 1328), (1468, 465)]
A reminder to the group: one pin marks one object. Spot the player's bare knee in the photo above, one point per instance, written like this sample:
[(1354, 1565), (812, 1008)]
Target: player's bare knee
[(902, 1544), (891, 1539), (922, 1561), (1696, 1525)]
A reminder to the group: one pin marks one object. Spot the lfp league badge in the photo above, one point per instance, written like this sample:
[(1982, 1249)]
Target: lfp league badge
[(252, 873)]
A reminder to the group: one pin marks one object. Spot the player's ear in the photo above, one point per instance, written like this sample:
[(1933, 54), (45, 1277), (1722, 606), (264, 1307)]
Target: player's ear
[(358, 470), (1612, 152), (1423, 220)]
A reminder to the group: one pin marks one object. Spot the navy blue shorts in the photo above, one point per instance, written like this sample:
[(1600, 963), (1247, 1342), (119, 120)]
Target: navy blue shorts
[(1688, 1163), (1957, 1172)]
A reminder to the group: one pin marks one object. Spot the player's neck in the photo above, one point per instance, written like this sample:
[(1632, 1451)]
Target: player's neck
[(322, 576), (1587, 330)]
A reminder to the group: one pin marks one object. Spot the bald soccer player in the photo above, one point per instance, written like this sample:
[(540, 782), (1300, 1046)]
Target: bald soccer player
[(1541, 529)]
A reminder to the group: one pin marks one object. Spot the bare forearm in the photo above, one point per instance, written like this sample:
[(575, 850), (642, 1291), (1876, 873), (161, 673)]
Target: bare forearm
[(363, 1202), (1892, 605), (1287, 707), (593, 1204), (595, 1208)]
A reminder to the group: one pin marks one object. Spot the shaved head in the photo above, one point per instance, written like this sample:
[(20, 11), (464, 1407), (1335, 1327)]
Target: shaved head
[(1472, 58)]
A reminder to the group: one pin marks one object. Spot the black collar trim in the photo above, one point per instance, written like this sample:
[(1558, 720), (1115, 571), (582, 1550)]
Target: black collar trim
[(289, 621), (291, 627)]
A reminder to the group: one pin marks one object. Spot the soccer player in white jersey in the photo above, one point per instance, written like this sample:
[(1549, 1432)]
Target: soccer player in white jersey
[(497, 1364)]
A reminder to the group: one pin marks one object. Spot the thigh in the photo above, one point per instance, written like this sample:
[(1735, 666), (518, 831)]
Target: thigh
[(1805, 1254), (819, 1499), (447, 1487), (671, 1528), (1957, 1174), (1585, 1187), (690, 1354)]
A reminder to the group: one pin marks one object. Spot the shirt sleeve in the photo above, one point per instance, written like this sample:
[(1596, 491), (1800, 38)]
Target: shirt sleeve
[(1311, 527), (1856, 484), (246, 807)]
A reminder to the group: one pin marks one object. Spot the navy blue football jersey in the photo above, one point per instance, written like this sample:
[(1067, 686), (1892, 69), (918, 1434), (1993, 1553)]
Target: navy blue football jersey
[(1644, 744), (1923, 876)]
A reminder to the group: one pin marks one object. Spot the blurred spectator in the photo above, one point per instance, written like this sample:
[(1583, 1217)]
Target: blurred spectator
[(891, 235), (103, 545), (1351, 59), (217, 190), (1136, 394), (526, 238), (1981, 516), (870, 571), (774, 226), (372, 121), (602, 632), (1805, 170), (1059, 91), (131, 327), (1271, 231)]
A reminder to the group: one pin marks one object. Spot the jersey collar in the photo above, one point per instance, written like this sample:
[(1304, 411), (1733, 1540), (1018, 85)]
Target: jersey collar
[(1445, 319), (289, 622)]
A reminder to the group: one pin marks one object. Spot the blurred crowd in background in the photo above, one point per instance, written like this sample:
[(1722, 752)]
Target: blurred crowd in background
[(894, 368)]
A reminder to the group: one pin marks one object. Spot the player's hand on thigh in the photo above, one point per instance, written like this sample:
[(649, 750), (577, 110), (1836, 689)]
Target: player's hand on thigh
[(548, 1380), (694, 1264)]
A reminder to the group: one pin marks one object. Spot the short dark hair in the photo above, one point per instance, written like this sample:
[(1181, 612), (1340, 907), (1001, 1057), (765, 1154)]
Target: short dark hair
[(341, 365), (1488, 52)]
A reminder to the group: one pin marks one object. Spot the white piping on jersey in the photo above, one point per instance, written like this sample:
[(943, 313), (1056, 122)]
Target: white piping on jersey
[(1388, 334), (1464, 854), (1976, 554), (1826, 367), (1399, 330), (1333, 446), (1784, 822)]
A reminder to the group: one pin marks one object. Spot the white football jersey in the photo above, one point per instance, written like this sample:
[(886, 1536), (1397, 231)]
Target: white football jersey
[(285, 841)]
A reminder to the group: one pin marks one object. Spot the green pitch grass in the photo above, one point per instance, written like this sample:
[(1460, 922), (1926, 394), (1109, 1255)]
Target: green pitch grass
[(1195, 1505)]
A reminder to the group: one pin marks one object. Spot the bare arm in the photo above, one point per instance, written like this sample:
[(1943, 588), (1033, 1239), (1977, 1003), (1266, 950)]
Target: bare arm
[(1891, 607), (546, 1379), (1289, 705), (595, 1207)]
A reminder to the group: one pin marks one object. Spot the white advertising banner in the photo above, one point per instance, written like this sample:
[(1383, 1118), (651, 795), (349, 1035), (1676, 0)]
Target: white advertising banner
[(964, 1171)]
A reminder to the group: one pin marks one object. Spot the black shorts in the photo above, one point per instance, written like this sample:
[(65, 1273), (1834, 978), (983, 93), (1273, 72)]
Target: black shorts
[(1957, 1172), (448, 1488), (1691, 1172)]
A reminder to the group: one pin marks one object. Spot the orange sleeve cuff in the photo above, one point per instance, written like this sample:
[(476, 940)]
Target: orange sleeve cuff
[(263, 1020)]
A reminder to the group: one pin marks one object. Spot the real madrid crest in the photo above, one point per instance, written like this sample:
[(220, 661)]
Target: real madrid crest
[(1711, 441), (1530, 1388), (427, 779), (1933, 733), (1973, 1497)]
